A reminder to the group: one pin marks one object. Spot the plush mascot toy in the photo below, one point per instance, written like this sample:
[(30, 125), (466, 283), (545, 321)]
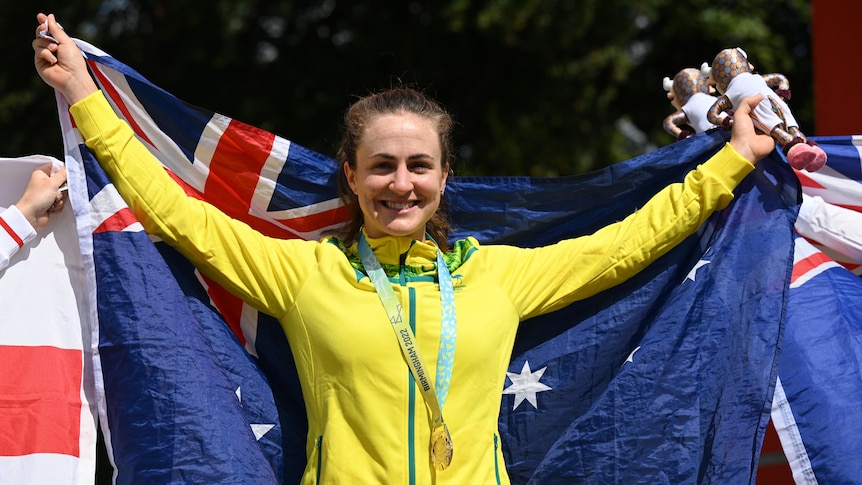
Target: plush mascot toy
[(733, 78), (690, 93)]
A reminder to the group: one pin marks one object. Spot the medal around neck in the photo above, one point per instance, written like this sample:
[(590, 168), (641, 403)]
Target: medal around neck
[(441, 440), (441, 447)]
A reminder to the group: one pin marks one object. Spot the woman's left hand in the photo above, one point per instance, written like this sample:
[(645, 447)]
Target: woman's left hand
[(744, 137)]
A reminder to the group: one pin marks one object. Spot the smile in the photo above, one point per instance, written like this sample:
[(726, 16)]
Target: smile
[(399, 205)]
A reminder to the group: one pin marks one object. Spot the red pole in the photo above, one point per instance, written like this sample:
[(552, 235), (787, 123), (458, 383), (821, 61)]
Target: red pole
[(837, 67)]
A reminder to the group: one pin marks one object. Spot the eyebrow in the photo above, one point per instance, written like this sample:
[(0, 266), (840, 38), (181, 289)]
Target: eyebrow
[(416, 156)]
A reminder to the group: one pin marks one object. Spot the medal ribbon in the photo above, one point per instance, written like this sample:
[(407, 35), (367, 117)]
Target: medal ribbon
[(441, 443)]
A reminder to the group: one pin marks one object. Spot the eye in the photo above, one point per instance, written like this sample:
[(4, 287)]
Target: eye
[(381, 166), (421, 166)]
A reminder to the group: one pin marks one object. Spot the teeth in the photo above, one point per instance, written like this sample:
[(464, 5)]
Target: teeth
[(399, 205)]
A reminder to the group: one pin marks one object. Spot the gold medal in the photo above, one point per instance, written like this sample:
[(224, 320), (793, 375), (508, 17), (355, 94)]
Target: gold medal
[(441, 447)]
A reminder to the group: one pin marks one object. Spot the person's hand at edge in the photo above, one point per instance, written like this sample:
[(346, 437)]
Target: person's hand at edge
[(43, 196), (61, 64)]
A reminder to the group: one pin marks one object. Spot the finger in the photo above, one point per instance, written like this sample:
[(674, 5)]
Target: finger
[(744, 108), (59, 177), (43, 43), (57, 31), (46, 169), (40, 19), (58, 205), (750, 102), (60, 174), (44, 52), (47, 56)]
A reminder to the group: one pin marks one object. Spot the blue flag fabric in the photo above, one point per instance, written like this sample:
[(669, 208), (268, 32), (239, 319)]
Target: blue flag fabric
[(181, 400), (817, 409), (665, 379)]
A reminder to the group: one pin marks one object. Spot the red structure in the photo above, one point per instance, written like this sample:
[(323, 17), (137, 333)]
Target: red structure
[(837, 70), (773, 469)]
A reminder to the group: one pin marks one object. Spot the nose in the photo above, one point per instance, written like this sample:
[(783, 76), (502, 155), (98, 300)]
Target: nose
[(402, 180)]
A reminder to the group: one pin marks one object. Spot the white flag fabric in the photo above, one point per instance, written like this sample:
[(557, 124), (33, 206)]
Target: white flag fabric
[(47, 419)]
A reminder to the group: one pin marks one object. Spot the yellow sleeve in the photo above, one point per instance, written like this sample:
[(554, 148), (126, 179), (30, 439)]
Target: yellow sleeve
[(239, 258), (544, 279)]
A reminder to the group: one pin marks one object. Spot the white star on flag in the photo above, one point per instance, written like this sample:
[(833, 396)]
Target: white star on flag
[(525, 385), (258, 429), (693, 272), (631, 357)]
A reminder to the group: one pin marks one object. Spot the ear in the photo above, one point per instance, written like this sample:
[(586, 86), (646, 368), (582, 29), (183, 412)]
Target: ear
[(443, 180), (350, 175)]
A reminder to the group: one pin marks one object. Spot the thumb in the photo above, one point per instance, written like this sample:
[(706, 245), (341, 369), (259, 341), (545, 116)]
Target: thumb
[(56, 31), (59, 176), (748, 104)]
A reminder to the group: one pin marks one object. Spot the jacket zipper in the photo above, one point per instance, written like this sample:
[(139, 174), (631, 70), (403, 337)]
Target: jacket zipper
[(497, 457), (319, 457), (411, 384)]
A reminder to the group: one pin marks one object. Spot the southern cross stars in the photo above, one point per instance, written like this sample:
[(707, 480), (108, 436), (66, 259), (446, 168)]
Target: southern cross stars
[(693, 273), (258, 429), (525, 385)]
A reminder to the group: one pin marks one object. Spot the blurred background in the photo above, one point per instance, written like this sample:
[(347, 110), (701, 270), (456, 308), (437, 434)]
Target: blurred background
[(538, 87)]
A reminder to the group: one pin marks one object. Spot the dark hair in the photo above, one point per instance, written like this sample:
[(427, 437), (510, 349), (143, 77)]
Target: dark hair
[(356, 120)]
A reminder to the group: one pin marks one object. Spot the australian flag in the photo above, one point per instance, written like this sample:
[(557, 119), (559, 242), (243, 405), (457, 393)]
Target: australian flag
[(667, 378)]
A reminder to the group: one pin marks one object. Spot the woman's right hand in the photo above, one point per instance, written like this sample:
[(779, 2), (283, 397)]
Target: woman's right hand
[(61, 64)]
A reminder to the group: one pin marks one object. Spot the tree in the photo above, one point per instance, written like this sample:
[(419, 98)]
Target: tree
[(538, 87)]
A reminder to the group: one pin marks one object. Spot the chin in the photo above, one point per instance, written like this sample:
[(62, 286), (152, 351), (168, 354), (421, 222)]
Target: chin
[(407, 233), (406, 230)]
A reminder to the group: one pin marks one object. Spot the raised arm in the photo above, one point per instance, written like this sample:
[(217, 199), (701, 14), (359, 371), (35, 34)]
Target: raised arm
[(618, 251), (239, 258)]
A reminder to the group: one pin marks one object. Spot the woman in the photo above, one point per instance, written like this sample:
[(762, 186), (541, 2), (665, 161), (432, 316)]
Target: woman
[(41, 199), (382, 320)]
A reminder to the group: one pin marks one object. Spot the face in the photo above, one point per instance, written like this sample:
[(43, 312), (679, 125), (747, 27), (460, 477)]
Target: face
[(399, 175)]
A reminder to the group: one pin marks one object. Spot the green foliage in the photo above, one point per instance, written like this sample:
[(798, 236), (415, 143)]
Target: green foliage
[(539, 87)]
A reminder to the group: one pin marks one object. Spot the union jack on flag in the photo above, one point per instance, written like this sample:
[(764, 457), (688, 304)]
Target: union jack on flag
[(281, 189), (832, 218), (817, 407)]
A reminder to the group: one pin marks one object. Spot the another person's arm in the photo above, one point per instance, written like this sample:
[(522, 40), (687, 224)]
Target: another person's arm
[(835, 227), (15, 232), (19, 223)]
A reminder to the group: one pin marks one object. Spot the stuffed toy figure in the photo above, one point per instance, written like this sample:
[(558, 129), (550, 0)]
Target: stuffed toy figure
[(733, 77), (690, 93)]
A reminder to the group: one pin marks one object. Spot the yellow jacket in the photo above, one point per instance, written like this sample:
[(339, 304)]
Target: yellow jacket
[(367, 421)]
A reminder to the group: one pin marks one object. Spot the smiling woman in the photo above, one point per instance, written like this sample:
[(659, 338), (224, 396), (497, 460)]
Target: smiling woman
[(399, 138), (391, 326), (398, 176)]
